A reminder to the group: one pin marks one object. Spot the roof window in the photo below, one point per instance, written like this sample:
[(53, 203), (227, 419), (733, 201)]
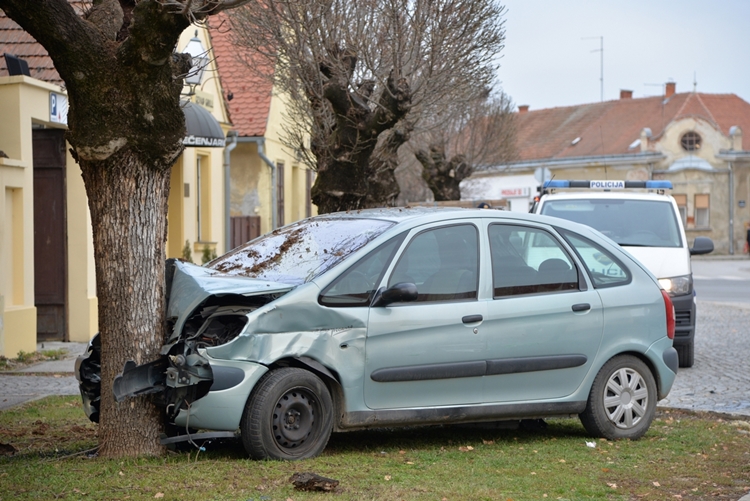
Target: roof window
[(691, 141)]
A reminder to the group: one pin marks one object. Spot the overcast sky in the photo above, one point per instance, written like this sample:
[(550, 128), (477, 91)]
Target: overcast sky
[(550, 60)]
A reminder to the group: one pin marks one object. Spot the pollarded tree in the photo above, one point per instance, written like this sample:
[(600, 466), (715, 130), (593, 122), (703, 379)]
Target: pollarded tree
[(126, 127), (474, 138), (361, 75)]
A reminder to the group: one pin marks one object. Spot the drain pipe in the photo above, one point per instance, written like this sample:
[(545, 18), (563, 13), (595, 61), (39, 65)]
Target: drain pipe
[(260, 142), (731, 210), (230, 145)]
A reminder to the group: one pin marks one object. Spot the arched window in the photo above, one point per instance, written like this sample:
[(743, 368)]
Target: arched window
[(691, 141)]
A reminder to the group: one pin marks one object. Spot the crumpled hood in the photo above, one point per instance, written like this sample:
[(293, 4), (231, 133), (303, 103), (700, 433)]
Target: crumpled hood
[(192, 284)]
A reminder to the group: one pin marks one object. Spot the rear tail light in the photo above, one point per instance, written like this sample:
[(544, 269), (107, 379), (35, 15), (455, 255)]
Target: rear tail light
[(669, 307)]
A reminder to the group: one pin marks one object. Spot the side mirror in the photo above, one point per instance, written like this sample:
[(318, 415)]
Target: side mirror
[(701, 245), (397, 293)]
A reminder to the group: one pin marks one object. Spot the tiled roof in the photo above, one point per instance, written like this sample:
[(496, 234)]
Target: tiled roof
[(251, 95), (14, 40), (610, 127)]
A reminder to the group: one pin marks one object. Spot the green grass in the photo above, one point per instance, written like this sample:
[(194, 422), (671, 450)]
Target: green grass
[(684, 456), (26, 358)]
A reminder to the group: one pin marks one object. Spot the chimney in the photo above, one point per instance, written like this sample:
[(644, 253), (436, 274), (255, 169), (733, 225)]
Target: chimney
[(670, 89), (735, 134), (523, 108), (646, 135), (626, 94)]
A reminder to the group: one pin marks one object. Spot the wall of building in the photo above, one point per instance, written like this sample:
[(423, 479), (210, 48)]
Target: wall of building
[(197, 181), (25, 102), (186, 195)]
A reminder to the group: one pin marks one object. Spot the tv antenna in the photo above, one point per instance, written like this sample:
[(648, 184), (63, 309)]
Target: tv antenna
[(601, 61)]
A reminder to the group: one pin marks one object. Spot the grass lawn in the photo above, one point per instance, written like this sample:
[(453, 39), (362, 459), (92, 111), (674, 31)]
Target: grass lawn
[(684, 456)]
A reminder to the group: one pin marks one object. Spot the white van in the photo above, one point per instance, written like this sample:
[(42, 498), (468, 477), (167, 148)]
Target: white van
[(646, 224)]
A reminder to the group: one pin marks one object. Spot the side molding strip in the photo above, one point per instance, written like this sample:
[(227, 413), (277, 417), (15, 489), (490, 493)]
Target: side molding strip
[(477, 368)]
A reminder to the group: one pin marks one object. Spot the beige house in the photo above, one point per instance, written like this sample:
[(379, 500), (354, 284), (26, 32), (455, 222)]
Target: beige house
[(270, 186), (700, 142), (45, 236), (47, 277)]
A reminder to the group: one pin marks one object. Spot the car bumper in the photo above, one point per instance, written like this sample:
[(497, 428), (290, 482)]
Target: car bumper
[(663, 357), (222, 407), (684, 308)]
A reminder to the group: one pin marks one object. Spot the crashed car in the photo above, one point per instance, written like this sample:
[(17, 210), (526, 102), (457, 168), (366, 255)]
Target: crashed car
[(410, 316)]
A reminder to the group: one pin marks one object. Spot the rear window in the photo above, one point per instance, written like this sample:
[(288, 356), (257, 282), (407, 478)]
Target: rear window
[(635, 223)]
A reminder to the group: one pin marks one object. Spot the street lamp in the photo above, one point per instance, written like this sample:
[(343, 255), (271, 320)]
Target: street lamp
[(199, 62)]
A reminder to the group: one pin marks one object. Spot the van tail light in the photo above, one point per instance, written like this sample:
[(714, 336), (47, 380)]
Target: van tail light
[(669, 307)]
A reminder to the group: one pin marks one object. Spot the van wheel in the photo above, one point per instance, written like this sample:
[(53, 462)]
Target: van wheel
[(686, 353), (622, 401), (289, 416)]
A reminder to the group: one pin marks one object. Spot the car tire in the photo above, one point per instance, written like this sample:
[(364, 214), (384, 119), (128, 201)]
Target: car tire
[(622, 400), (686, 354), (288, 416)]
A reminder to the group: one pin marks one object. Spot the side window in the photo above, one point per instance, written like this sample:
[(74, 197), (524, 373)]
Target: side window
[(442, 262), (604, 269), (529, 261), (356, 286)]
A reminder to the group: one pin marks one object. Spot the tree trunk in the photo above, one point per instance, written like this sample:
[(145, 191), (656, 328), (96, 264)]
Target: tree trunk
[(128, 205), (443, 176), (383, 187), (349, 178)]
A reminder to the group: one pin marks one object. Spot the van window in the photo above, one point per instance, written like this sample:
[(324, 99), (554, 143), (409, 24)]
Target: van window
[(604, 269), (635, 223)]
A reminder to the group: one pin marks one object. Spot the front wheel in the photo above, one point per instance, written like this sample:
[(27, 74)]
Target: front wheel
[(622, 401), (288, 416)]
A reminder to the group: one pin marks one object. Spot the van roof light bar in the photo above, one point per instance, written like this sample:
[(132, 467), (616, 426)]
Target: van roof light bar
[(609, 184)]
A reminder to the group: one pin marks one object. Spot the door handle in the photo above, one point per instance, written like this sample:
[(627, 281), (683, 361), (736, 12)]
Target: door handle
[(470, 319), (581, 307)]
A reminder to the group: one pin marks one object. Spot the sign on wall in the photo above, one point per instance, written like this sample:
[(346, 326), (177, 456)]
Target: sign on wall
[(58, 108), (515, 192)]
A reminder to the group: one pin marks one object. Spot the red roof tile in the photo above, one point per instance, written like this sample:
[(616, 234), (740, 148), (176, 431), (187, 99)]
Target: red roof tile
[(609, 128), (251, 94), (15, 41)]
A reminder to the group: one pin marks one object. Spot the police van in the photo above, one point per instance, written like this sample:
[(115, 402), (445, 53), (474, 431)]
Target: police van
[(647, 224)]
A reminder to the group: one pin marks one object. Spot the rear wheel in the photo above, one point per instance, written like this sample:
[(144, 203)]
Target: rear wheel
[(622, 401), (686, 353), (288, 416)]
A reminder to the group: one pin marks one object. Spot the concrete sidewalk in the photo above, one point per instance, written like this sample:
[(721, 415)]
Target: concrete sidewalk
[(54, 377)]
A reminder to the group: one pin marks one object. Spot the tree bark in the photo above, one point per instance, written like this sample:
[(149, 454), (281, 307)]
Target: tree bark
[(443, 176), (128, 206), (126, 129), (349, 178)]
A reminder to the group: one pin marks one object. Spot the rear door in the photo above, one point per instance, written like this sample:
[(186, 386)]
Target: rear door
[(544, 324)]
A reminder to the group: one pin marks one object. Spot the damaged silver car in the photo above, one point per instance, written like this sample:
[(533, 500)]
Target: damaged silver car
[(390, 317)]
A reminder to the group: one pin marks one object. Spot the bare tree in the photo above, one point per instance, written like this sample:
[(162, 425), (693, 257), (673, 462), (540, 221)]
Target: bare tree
[(361, 76), (476, 137), (126, 127)]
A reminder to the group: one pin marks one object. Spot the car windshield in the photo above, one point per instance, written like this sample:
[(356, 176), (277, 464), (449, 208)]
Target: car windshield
[(299, 252), (635, 223)]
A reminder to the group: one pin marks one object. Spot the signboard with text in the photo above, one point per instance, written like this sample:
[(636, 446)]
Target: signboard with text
[(58, 108)]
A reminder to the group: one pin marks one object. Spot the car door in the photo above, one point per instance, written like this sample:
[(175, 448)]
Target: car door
[(429, 352), (544, 324)]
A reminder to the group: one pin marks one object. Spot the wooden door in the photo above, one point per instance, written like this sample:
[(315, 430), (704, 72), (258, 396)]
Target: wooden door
[(244, 229), (50, 235)]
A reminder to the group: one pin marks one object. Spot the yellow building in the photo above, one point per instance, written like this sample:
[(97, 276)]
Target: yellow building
[(45, 230), (47, 275), (270, 186)]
